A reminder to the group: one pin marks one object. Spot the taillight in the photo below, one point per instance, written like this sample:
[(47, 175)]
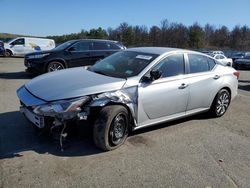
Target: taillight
[(237, 74)]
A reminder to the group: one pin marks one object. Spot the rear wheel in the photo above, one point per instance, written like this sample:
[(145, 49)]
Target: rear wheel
[(55, 66), (111, 127), (220, 103)]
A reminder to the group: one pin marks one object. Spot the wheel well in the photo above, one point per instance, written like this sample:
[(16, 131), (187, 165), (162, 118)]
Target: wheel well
[(9, 51), (131, 118), (228, 89)]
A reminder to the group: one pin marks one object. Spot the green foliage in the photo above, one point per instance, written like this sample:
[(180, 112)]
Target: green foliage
[(168, 34), (196, 36)]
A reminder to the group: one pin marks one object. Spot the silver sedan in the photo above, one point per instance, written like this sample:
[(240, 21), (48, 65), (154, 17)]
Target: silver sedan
[(128, 90)]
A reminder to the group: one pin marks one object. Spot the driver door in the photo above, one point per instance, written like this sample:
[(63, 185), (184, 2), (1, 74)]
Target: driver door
[(167, 95), (79, 54), (18, 46)]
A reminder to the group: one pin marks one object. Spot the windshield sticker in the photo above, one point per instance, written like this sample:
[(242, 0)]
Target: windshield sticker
[(145, 57)]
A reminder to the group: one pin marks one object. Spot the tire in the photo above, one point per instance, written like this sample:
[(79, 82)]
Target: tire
[(8, 53), (111, 127), (55, 66), (221, 103)]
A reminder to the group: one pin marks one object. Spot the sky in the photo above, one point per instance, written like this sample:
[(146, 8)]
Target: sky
[(57, 17)]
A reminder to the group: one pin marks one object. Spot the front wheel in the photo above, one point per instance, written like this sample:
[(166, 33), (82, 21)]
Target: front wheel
[(55, 66), (8, 53), (220, 103), (111, 127)]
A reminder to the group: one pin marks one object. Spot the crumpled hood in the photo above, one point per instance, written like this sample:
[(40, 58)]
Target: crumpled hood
[(71, 83)]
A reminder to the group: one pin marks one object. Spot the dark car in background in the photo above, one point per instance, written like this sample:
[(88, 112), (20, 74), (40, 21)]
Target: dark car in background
[(2, 50), (74, 53), (238, 55), (243, 62)]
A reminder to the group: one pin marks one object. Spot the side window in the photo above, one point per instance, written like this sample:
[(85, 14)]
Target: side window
[(197, 63), (211, 63), (100, 46), (172, 65), (81, 46), (18, 42), (247, 56), (222, 57), (113, 46)]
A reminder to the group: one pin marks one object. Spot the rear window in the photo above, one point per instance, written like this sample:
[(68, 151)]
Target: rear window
[(198, 63), (113, 46)]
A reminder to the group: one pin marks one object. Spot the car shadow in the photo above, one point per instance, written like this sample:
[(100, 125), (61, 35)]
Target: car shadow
[(244, 87), (244, 81), (17, 135), (16, 75), (201, 116)]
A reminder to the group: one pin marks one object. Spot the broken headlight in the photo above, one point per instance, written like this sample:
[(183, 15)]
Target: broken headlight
[(64, 109)]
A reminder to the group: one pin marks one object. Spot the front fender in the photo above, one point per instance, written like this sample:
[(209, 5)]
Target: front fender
[(127, 97)]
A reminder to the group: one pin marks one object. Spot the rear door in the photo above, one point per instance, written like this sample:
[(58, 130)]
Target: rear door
[(204, 83), (79, 54)]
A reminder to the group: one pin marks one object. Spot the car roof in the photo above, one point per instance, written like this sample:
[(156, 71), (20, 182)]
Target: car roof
[(99, 40), (158, 50), (153, 50)]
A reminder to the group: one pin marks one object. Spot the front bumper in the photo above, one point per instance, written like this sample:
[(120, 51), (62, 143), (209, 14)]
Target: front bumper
[(34, 65), (28, 102)]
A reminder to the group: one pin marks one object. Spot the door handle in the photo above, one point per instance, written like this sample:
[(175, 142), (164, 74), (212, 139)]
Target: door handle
[(183, 86), (216, 77)]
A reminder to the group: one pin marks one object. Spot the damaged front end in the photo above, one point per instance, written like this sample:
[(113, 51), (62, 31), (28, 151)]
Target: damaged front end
[(78, 109)]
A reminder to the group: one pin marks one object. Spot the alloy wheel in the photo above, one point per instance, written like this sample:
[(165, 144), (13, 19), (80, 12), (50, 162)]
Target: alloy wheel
[(222, 103), (55, 66)]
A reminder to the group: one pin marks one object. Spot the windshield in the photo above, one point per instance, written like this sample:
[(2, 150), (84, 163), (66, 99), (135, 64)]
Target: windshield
[(123, 64), (64, 45)]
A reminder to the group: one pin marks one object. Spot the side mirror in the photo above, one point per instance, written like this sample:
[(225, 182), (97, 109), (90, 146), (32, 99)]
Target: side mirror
[(155, 74)]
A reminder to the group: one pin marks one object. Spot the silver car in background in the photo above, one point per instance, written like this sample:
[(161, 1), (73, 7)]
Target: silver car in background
[(128, 90)]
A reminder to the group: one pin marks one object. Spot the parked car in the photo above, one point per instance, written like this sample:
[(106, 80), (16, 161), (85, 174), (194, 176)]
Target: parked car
[(224, 60), (129, 90), (217, 52), (238, 55), (2, 50), (242, 63), (23, 45), (74, 53), (212, 53)]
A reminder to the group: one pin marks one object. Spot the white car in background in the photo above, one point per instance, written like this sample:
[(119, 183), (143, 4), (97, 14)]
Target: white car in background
[(223, 59), (24, 45)]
